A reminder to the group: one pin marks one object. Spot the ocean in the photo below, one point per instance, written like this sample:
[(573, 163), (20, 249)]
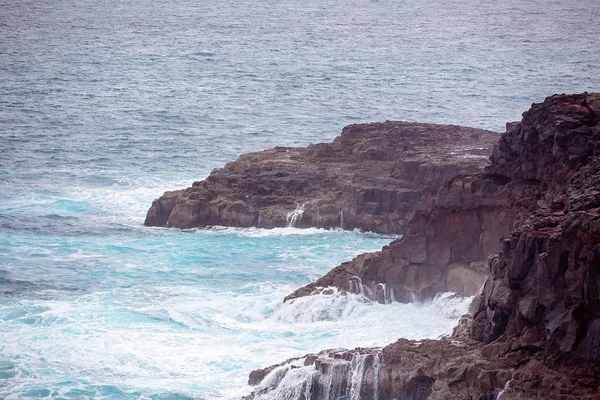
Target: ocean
[(104, 105)]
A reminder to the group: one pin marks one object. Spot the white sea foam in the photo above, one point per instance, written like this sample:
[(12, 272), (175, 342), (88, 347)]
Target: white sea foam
[(449, 305), (211, 334), (262, 232), (341, 307), (254, 232), (335, 307), (341, 379), (128, 201), (295, 215), (288, 382)]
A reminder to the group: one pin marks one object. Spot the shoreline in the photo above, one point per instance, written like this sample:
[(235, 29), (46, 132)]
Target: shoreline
[(469, 221)]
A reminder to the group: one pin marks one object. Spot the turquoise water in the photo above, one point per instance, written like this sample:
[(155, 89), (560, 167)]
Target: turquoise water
[(162, 312), (105, 105)]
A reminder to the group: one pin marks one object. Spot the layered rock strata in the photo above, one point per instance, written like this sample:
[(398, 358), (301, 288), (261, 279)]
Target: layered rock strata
[(536, 327), (372, 177)]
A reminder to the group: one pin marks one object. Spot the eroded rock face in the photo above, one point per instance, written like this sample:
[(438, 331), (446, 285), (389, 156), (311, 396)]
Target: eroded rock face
[(443, 251), (373, 177), (444, 248), (544, 286)]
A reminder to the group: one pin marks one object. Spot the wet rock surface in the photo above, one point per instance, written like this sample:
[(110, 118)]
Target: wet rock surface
[(447, 369), (527, 224), (372, 177), (534, 216), (446, 245)]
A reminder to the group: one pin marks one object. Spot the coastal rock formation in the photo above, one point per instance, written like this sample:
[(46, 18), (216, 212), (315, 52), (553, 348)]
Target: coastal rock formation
[(372, 177), (545, 162), (444, 248), (544, 287), (527, 224), (446, 369), (535, 332)]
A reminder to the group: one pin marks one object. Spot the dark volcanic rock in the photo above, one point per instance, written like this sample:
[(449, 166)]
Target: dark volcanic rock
[(544, 287), (373, 177), (444, 248), (535, 333), (548, 161), (529, 225), (444, 369)]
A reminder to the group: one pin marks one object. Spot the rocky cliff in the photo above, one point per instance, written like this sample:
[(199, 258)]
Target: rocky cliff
[(445, 244), (544, 162), (527, 224), (444, 248), (535, 332), (372, 177), (543, 289)]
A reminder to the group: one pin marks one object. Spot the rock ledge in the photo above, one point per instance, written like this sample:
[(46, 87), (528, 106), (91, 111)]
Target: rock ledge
[(372, 177)]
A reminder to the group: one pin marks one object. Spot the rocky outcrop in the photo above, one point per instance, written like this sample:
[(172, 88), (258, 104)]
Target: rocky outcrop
[(446, 369), (527, 224), (372, 177), (544, 162), (544, 286), (444, 248), (535, 332)]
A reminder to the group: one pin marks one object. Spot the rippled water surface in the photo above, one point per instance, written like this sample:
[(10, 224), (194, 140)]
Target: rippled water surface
[(105, 105)]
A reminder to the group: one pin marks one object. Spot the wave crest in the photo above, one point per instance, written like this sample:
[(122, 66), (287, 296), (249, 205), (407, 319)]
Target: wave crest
[(334, 305)]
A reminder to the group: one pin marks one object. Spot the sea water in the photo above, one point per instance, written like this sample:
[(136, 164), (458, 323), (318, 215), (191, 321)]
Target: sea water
[(105, 105)]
